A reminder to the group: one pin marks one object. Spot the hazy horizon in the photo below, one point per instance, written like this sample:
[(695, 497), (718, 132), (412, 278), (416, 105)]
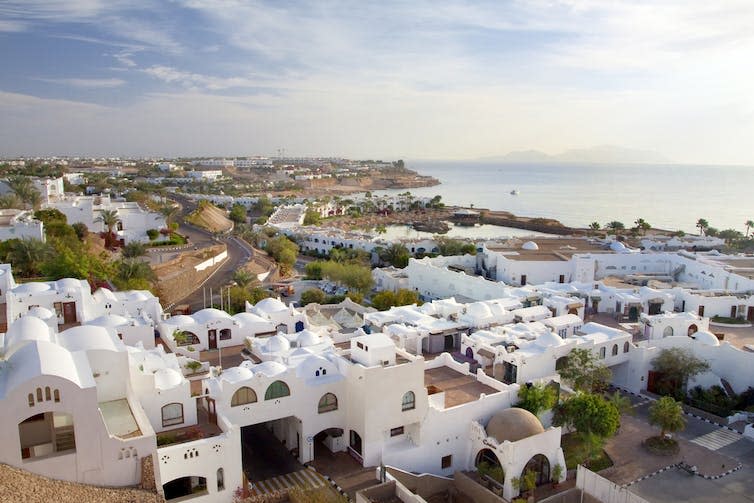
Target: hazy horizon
[(421, 81)]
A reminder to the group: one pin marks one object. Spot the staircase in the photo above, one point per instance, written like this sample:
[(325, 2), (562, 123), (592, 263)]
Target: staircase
[(728, 388)]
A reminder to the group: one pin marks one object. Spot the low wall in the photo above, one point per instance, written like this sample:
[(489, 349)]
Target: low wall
[(425, 485), (479, 494), (178, 278)]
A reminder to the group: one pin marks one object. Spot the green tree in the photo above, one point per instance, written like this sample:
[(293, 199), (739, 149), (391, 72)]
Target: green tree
[(284, 251), (27, 256), (312, 217), (8, 201), (588, 413), (642, 226), (243, 277), (23, 187), (667, 414), (50, 215), (584, 372), (730, 235), (238, 213), (449, 246), (383, 300), (749, 224), (595, 226), (588, 447), (702, 225), (133, 274), (313, 296), (615, 226), (537, 398), (711, 232), (406, 297), (264, 206), (675, 367), (395, 254), (109, 219), (133, 249), (621, 403), (313, 270), (81, 230)]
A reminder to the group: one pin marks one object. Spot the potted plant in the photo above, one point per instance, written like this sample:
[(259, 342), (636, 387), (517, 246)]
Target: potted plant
[(557, 472), (193, 366)]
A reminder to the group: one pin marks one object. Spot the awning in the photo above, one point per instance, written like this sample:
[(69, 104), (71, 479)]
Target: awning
[(486, 353)]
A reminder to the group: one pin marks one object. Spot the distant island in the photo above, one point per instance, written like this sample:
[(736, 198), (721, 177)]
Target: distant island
[(599, 154)]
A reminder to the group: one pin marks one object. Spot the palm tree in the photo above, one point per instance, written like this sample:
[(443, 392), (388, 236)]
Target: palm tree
[(24, 189), (10, 201), (242, 277), (642, 225), (749, 224), (134, 249), (110, 219), (27, 256), (667, 414), (595, 226), (615, 226), (702, 225)]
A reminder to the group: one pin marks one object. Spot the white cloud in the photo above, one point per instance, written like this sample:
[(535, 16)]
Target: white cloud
[(86, 83)]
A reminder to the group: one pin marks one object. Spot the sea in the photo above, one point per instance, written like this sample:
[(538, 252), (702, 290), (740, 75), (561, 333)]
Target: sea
[(671, 197)]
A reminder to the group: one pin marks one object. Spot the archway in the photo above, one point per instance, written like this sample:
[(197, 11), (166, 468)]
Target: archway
[(185, 486), (470, 353), (299, 326), (540, 465), (692, 330), (488, 465), (668, 332), (45, 434)]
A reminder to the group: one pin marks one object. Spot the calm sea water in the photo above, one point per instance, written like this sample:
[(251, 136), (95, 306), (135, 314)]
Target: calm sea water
[(667, 196)]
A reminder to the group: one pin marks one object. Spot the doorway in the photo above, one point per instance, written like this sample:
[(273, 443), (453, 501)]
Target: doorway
[(449, 343), (212, 338), (69, 312)]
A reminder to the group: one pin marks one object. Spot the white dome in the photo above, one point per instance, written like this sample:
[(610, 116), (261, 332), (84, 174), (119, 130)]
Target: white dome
[(269, 369), (250, 319), (478, 310), (706, 338), (32, 288), (167, 379), (109, 320), (181, 319), (26, 328), (307, 338), (69, 283), (277, 344), (270, 305), (530, 245), (40, 312), (549, 339), (138, 295), (617, 246), (236, 374), (209, 314), (87, 337)]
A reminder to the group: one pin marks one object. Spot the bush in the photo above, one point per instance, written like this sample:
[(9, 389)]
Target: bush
[(313, 296), (152, 234)]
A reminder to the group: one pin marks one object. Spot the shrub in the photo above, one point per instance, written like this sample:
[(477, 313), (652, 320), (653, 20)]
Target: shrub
[(152, 234)]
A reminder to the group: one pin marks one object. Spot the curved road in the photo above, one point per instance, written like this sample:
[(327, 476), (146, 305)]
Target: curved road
[(238, 254)]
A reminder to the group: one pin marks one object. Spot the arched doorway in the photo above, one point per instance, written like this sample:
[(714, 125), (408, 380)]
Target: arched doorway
[(354, 445), (540, 465), (633, 313), (282, 328), (185, 486), (470, 353), (692, 330), (299, 326), (573, 310), (488, 464), (668, 332)]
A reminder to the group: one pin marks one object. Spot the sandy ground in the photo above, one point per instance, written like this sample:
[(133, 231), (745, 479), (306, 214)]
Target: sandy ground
[(19, 485), (211, 218)]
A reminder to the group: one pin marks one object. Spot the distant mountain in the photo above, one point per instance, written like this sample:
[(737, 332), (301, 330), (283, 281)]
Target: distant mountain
[(608, 154)]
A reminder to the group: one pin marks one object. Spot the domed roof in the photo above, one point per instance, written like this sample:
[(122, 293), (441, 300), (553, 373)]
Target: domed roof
[(617, 246), (236, 374), (549, 339), (31, 288), (40, 312), (181, 319), (513, 424), (530, 245), (270, 305), (68, 283), (137, 295), (208, 314), (307, 338), (277, 344), (87, 337), (109, 320), (26, 328), (250, 319), (167, 378), (706, 338), (478, 310), (269, 369)]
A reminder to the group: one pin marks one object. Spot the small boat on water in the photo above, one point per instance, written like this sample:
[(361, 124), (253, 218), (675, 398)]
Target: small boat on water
[(514, 192)]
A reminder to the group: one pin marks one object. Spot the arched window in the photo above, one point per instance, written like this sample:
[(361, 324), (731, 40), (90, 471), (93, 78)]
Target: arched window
[(278, 389), (39, 394), (31, 399), (409, 401), (225, 334), (668, 332), (48, 393), (602, 353), (242, 396), (625, 347), (172, 414), (327, 403), (220, 479), (615, 349)]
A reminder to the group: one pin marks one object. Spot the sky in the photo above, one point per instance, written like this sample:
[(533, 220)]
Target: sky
[(416, 79)]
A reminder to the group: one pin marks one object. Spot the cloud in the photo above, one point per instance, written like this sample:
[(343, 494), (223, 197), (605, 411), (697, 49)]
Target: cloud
[(11, 26), (86, 83), (198, 81)]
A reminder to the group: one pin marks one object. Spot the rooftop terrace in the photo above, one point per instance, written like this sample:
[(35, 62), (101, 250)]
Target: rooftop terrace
[(458, 388)]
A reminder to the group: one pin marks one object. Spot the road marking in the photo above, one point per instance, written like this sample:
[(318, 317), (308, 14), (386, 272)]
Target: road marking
[(717, 439), (303, 478)]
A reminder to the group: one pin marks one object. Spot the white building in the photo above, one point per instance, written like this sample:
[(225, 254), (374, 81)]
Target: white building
[(20, 224)]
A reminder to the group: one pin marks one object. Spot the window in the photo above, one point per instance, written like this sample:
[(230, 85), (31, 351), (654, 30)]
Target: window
[(220, 479), (39, 394), (172, 414), (242, 396), (48, 393), (31, 399), (447, 461), (394, 432), (278, 389), (602, 353), (359, 345), (625, 347), (615, 349), (225, 334), (409, 401), (327, 403)]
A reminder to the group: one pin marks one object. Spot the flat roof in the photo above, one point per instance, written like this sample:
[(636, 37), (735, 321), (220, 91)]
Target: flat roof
[(119, 419), (458, 388), (550, 249)]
